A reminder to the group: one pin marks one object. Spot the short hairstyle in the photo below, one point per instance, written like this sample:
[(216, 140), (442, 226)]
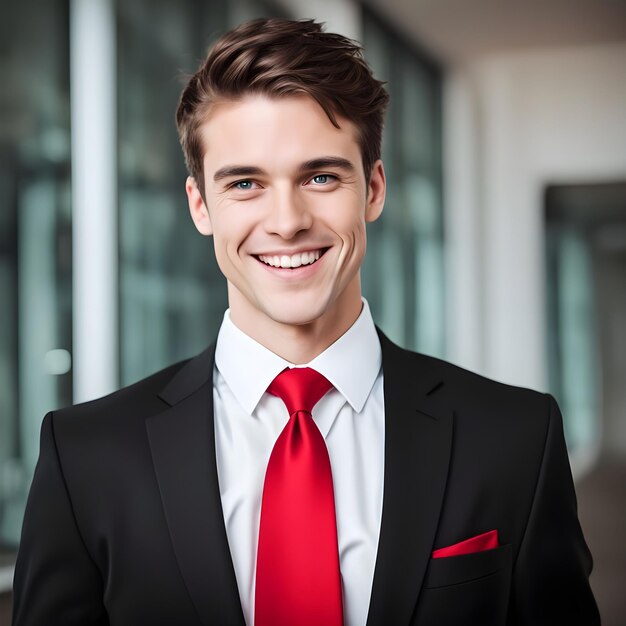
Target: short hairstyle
[(280, 57)]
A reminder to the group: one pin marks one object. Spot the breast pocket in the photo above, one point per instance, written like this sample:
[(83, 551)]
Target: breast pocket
[(467, 590)]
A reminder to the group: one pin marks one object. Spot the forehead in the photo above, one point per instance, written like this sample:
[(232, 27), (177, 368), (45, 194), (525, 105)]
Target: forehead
[(259, 129)]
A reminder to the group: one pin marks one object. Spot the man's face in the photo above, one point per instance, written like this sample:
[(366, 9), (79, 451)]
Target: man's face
[(286, 204)]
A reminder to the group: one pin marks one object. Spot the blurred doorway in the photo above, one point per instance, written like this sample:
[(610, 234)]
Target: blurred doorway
[(586, 252)]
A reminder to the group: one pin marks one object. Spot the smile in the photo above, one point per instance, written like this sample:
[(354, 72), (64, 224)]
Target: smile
[(291, 261)]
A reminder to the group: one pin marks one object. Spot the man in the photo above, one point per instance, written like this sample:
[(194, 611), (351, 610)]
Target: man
[(304, 469)]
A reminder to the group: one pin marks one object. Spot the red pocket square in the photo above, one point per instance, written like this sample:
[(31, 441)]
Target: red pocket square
[(486, 541)]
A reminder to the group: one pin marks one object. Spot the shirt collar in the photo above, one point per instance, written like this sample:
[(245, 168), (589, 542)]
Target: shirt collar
[(351, 364)]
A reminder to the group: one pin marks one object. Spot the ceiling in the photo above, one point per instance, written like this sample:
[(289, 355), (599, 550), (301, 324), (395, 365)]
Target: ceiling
[(457, 30)]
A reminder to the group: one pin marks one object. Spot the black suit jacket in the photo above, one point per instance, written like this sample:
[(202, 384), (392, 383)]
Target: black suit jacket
[(124, 524)]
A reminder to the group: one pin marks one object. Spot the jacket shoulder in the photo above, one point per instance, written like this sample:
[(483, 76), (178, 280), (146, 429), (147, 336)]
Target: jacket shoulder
[(89, 435), (130, 404), (468, 388)]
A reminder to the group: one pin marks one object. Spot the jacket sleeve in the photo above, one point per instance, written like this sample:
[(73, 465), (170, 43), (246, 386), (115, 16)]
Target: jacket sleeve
[(550, 583), (56, 581)]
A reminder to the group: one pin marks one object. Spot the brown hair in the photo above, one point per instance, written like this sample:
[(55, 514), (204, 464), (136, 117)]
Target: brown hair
[(280, 57)]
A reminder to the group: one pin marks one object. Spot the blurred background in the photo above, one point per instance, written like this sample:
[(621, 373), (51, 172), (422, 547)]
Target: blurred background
[(502, 247)]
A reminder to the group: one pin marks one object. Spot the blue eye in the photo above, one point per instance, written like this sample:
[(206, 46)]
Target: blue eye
[(244, 185), (322, 179)]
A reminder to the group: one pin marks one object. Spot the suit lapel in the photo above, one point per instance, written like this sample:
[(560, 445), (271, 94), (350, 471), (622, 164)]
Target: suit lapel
[(182, 442), (418, 439)]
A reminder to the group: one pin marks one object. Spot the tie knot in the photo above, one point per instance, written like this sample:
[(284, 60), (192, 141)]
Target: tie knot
[(299, 388)]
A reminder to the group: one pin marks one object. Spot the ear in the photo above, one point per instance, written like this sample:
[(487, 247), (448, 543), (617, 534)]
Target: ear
[(376, 192), (197, 207)]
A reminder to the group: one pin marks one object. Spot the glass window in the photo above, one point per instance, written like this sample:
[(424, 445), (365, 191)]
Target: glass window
[(35, 241), (403, 271), (573, 363), (172, 295)]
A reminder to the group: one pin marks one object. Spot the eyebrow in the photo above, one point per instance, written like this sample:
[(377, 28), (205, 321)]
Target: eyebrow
[(229, 171), (324, 162), (237, 170)]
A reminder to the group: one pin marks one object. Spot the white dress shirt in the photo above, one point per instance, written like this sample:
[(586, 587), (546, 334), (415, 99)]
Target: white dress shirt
[(350, 417)]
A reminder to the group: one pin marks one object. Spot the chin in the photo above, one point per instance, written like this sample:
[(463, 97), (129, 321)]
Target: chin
[(295, 319), (297, 313)]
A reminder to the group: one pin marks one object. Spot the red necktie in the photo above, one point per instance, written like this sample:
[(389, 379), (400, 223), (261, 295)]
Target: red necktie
[(298, 582)]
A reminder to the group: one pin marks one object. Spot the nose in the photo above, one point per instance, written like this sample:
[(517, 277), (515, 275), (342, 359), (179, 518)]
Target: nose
[(288, 213)]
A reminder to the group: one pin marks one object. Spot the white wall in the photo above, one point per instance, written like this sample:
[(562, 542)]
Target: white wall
[(515, 123)]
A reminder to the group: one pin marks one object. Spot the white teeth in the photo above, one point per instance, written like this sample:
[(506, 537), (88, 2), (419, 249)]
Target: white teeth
[(293, 261), (296, 260)]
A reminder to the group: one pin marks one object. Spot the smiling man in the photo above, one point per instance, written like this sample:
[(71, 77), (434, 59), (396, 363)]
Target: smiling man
[(287, 201), (303, 470)]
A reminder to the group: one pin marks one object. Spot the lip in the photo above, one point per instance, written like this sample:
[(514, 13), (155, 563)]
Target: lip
[(286, 252)]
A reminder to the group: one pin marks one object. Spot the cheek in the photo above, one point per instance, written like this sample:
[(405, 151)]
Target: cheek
[(229, 235), (353, 233), (220, 253), (352, 252)]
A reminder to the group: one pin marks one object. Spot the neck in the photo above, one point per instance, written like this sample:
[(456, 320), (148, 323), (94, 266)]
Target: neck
[(299, 343)]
